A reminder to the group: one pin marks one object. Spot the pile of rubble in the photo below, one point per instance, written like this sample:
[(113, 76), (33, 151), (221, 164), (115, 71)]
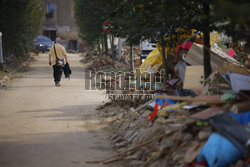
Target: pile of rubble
[(191, 122), (4, 77), (174, 138), (104, 62), (179, 129), (13, 65)]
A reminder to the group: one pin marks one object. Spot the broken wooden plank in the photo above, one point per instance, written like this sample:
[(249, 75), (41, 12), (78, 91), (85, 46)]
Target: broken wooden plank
[(241, 107), (151, 159), (142, 106), (148, 142), (207, 113), (192, 152)]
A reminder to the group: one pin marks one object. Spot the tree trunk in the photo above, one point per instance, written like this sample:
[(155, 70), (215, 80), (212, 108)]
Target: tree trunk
[(131, 58), (102, 40), (163, 47), (112, 49), (110, 43), (106, 44), (99, 47), (113, 46), (206, 60), (119, 49)]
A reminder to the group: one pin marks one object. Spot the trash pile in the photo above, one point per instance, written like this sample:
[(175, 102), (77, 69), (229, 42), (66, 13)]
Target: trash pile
[(192, 122), (105, 62), (198, 124), (4, 77), (13, 64), (178, 130), (101, 62)]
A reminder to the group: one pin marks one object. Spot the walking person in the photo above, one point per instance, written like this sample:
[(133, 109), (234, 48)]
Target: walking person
[(57, 53)]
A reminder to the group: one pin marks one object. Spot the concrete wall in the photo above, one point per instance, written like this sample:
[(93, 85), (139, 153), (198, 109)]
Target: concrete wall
[(63, 20)]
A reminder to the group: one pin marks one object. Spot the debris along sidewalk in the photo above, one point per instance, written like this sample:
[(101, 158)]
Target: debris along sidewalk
[(193, 123), (101, 62), (182, 131), (13, 65)]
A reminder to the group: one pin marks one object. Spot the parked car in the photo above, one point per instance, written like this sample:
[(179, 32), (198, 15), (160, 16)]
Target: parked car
[(43, 43)]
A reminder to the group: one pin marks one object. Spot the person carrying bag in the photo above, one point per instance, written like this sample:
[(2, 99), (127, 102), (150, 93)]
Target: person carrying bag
[(57, 54), (59, 62)]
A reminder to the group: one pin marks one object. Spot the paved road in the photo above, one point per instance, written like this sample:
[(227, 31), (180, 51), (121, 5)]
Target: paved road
[(46, 126)]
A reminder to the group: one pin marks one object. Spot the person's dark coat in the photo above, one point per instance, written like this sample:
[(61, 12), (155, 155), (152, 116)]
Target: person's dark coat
[(67, 70)]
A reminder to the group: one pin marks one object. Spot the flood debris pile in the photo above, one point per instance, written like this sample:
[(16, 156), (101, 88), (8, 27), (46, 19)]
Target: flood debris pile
[(182, 130), (4, 77), (192, 121), (12, 65), (101, 62), (105, 62)]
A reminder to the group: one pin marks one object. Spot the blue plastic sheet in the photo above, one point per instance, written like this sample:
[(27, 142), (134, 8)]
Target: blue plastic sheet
[(164, 101), (219, 152), (242, 118)]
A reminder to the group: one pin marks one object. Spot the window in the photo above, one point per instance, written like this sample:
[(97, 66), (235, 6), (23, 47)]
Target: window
[(50, 10)]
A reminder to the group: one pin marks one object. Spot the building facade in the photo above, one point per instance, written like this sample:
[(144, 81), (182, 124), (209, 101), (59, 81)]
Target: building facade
[(60, 22)]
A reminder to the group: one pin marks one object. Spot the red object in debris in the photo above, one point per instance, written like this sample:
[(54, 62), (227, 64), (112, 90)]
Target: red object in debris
[(107, 26), (194, 163), (151, 116), (184, 45), (203, 163), (182, 116), (231, 53)]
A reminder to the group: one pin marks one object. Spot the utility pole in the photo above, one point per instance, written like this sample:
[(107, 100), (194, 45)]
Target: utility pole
[(1, 53)]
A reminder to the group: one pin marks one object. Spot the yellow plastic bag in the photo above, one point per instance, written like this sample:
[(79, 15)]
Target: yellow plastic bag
[(168, 50), (163, 112), (154, 58), (213, 38)]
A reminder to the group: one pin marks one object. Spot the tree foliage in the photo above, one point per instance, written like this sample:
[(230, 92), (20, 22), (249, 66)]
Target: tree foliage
[(237, 14), (90, 16), (20, 23), (136, 20)]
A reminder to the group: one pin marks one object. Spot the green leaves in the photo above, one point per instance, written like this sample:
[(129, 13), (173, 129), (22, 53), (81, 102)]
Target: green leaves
[(136, 20), (90, 16), (20, 23), (237, 13)]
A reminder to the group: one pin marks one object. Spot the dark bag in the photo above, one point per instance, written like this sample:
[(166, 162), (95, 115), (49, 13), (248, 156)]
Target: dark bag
[(59, 62), (67, 70)]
